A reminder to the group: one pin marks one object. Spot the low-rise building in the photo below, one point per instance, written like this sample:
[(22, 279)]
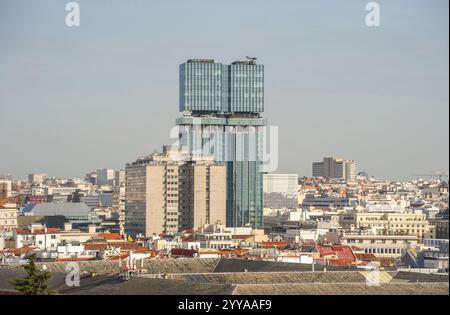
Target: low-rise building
[(380, 245), (39, 236), (383, 223)]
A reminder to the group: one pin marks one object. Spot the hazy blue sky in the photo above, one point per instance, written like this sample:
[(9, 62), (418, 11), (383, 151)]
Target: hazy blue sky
[(77, 99)]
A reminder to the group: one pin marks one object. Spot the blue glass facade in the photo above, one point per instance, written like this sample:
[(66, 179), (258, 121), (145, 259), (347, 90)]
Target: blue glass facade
[(246, 88), (212, 87), (226, 101)]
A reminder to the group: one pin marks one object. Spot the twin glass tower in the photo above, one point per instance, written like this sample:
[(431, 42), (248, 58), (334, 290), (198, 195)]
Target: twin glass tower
[(222, 106)]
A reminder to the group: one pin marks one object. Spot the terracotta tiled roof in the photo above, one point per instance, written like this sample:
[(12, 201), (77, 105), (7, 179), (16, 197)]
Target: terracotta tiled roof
[(127, 246), (365, 257), (275, 244), (95, 246), (337, 254)]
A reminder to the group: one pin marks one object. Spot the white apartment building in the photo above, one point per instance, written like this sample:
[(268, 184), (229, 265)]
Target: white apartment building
[(335, 168), (37, 178), (37, 235)]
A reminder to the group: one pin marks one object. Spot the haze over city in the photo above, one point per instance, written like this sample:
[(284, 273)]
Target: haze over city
[(97, 96)]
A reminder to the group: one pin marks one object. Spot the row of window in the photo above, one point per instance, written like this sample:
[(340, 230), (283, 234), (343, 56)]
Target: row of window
[(384, 250), (352, 241), (10, 222)]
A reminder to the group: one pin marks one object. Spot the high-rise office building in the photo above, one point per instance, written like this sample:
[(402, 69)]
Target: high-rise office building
[(210, 86), (165, 193), (335, 168), (221, 107)]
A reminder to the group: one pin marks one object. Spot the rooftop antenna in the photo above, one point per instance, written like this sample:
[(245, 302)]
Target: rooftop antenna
[(251, 60)]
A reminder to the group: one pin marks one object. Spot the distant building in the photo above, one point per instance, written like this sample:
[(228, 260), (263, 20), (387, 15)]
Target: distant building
[(105, 177), (119, 178), (328, 202), (75, 212), (105, 199), (222, 106), (335, 168), (37, 178), (91, 178), (118, 206), (5, 189), (8, 218), (59, 194), (433, 254), (39, 236), (393, 246), (442, 231), (280, 191), (91, 200), (385, 223)]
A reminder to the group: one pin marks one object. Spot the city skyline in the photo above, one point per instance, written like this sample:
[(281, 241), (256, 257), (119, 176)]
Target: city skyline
[(194, 149), (70, 106)]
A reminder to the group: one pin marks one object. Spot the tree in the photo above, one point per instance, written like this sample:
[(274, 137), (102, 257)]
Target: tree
[(35, 283)]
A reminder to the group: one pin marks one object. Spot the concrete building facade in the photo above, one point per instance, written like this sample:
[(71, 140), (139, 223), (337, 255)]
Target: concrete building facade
[(165, 194), (222, 106), (335, 168)]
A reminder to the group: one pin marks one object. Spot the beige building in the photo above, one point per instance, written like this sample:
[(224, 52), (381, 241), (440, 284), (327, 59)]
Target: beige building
[(203, 194), (8, 218), (393, 246), (385, 223), (165, 194)]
